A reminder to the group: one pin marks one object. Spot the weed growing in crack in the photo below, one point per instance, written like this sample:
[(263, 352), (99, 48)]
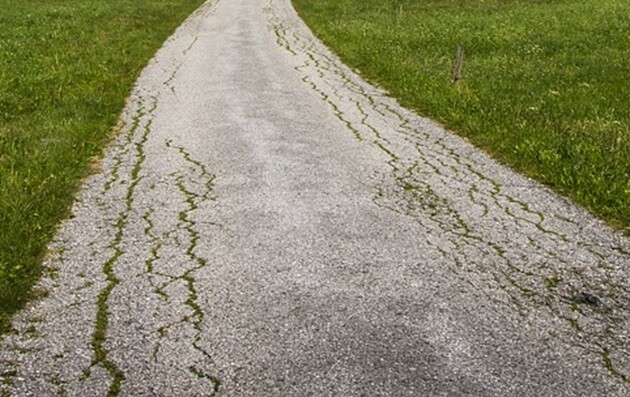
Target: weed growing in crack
[(204, 181), (67, 68), (216, 383), (102, 314), (552, 282), (611, 368), (550, 102), (155, 244)]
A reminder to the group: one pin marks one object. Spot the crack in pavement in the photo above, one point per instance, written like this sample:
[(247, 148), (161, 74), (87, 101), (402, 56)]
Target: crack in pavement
[(102, 316), (267, 223), (120, 183), (192, 200), (447, 164)]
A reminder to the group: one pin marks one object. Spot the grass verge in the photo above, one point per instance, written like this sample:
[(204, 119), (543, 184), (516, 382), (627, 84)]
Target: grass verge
[(66, 67), (544, 85)]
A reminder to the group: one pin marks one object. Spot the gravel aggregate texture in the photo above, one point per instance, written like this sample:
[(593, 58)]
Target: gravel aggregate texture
[(267, 223)]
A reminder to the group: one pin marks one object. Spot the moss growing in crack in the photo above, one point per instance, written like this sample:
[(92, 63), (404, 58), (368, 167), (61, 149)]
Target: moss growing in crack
[(191, 301), (51, 273), (572, 153), (56, 380), (577, 272), (575, 324), (154, 257), (162, 331), (102, 322), (338, 113), (190, 252), (186, 223), (160, 292), (35, 320), (8, 377), (281, 39), (466, 230), (498, 249), (605, 266), (364, 122), (31, 332), (39, 293), (524, 290), (391, 154), (408, 186), (156, 245), (102, 314), (209, 184), (537, 224), (86, 284), (216, 383), (611, 368), (140, 158), (423, 197), (552, 282), (147, 219), (575, 306), (118, 159), (85, 375)]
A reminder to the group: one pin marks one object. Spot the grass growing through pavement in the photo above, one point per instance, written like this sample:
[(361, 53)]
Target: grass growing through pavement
[(66, 67), (544, 88)]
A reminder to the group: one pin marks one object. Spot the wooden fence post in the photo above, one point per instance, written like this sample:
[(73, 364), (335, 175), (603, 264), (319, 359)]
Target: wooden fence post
[(459, 63)]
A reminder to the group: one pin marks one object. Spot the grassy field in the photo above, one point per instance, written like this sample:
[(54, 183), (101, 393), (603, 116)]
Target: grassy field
[(66, 67), (545, 83)]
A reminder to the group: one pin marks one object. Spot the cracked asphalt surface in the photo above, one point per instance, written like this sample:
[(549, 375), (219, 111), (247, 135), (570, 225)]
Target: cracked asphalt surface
[(267, 223)]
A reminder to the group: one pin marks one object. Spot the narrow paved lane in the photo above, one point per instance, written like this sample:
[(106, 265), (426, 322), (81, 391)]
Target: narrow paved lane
[(267, 223)]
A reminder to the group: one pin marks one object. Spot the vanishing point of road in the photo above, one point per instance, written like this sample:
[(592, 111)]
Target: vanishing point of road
[(266, 223)]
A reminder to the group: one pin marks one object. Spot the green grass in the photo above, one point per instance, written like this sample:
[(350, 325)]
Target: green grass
[(545, 82), (66, 67)]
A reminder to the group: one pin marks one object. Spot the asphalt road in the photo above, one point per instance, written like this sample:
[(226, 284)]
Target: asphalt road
[(267, 223)]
